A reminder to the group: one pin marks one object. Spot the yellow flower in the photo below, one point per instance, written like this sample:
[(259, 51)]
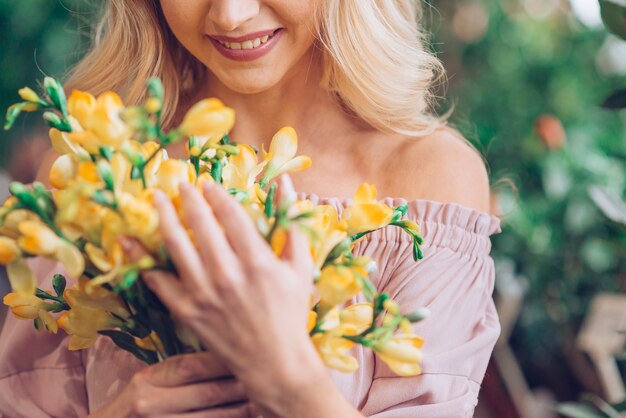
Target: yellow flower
[(140, 215), (311, 321), (332, 349), (356, 318), (90, 313), (63, 145), (100, 120), (208, 117), (21, 277), (31, 307), (63, 171), (38, 239), (337, 284), (172, 173), (402, 354), (81, 105), (9, 251), (327, 230), (26, 93), (152, 342), (366, 214), (242, 169), (280, 158)]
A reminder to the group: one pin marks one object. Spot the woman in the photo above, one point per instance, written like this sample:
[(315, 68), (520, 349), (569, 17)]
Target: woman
[(354, 78)]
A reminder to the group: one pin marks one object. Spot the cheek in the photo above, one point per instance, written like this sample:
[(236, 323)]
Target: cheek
[(185, 19)]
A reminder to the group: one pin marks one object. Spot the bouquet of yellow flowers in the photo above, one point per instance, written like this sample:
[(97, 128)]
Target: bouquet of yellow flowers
[(112, 159)]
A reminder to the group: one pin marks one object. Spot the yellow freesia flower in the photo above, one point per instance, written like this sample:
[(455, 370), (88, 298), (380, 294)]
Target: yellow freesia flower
[(28, 94), (172, 173), (208, 117), (327, 230), (31, 307), (337, 284), (242, 169), (63, 145), (38, 239), (333, 351), (402, 354), (152, 342), (21, 277), (311, 321), (356, 318), (100, 120), (366, 214), (89, 314), (280, 158), (63, 171), (81, 105), (9, 251)]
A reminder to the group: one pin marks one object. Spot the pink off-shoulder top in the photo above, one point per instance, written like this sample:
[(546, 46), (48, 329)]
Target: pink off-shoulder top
[(39, 377)]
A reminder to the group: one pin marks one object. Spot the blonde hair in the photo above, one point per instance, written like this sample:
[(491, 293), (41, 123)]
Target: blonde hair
[(376, 60)]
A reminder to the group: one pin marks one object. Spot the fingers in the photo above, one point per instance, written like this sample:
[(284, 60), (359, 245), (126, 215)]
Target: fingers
[(169, 290), (285, 193), (178, 243), (297, 253), (185, 369), (198, 396), (133, 249), (236, 222), (211, 242)]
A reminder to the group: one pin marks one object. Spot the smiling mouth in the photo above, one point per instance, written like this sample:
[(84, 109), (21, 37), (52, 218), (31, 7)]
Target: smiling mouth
[(248, 44)]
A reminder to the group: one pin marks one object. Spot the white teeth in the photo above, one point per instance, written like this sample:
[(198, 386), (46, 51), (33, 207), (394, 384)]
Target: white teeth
[(249, 44)]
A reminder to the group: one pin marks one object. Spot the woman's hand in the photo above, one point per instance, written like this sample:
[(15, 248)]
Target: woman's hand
[(246, 305), (187, 385)]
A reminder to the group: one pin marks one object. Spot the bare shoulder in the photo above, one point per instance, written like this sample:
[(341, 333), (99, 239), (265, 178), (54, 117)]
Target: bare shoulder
[(442, 167)]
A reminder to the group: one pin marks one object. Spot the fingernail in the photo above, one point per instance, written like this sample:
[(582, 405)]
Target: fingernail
[(185, 187), (125, 242), (159, 197)]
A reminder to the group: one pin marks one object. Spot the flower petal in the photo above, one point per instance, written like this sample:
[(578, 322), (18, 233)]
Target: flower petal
[(21, 277)]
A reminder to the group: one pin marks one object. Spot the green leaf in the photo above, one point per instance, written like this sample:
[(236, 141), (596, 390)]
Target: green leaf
[(127, 343), (58, 284), (614, 17)]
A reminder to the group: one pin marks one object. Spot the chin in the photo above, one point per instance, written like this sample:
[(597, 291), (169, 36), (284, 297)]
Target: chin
[(249, 82)]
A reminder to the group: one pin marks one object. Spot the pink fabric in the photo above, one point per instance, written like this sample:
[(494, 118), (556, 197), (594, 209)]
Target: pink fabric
[(39, 377)]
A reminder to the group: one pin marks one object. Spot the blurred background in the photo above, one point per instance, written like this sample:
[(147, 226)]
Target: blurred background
[(527, 79)]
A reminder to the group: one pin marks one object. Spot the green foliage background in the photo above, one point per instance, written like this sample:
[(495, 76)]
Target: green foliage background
[(562, 248)]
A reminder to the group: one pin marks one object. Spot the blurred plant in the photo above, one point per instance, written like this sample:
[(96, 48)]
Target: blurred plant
[(525, 93)]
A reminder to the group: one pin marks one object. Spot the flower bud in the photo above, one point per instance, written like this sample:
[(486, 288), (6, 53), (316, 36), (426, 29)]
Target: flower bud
[(28, 94)]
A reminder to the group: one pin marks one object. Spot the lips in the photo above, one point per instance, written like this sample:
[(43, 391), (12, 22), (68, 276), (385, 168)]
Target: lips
[(248, 47)]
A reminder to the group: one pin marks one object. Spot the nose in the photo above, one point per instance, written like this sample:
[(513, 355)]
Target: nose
[(228, 15)]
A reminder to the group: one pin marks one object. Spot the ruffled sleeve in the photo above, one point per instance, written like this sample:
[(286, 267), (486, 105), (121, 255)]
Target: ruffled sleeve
[(39, 376), (455, 282)]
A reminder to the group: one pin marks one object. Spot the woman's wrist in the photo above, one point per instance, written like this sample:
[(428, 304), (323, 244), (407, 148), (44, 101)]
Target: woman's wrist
[(300, 387)]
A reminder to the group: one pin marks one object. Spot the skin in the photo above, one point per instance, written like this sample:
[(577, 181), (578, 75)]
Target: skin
[(266, 342)]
